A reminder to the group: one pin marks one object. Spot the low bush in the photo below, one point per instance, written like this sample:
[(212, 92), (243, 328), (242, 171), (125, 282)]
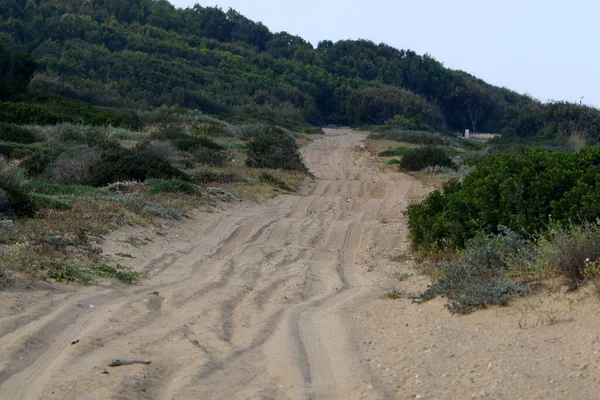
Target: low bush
[(171, 186), (398, 151), (43, 187), (483, 275), (314, 130), (204, 176), (274, 148), (17, 134), (45, 201), (569, 251), (76, 134), (208, 129), (138, 204), (414, 137), (15, 150), (419, 158), (472, 287), (120, 164), (165, 150), (248, 131), (74, 167), (40, 160), (85, 274), (13, 197), (183, 141), (270, 179), (212, 157)]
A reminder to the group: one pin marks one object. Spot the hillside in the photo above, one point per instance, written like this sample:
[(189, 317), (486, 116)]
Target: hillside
[(142, 54)]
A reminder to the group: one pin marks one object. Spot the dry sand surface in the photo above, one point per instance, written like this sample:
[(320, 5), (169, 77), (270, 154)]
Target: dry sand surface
[(284, 300)]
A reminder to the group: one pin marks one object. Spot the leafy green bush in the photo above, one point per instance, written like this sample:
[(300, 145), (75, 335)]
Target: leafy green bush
[(17, 134), (519, 192), (419, 158), (171, 186), (120, 164), (274, 148), (42, 108)]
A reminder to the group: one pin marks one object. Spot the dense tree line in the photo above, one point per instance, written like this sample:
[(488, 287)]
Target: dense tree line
[(146, 53)]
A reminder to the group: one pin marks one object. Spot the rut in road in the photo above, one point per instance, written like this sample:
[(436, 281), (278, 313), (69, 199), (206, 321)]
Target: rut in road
[(250, 309)]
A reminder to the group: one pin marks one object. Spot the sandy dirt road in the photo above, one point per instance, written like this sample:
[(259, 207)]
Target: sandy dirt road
[(241, 304), (284, 300)]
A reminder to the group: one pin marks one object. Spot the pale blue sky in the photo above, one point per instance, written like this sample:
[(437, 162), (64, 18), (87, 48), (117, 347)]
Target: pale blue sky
[(547, 49)]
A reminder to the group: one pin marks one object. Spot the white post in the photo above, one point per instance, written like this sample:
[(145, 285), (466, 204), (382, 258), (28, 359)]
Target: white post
[(467, 133)]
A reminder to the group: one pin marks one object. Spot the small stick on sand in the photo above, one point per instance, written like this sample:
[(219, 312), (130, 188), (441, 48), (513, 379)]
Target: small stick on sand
[(118, 363)]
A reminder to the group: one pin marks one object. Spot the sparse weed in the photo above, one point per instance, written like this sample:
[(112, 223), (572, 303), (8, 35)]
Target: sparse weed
[(395, 294), (401, 276), (270, 179)]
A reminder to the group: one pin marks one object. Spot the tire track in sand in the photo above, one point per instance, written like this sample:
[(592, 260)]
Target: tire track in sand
[(248, 309)]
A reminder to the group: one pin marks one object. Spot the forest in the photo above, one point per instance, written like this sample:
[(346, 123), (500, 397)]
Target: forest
[(114, 57)]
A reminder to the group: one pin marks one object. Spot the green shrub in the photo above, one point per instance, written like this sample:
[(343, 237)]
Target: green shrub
[(248, 131), (275, 149), (45, 201), (314, 130), (183, 141), (43, 187), (41, 159), (419, 158), (120, 164), (398, 151), (203, 176), (270, 179), (208, 129), (73, 167), (212, 157), (84, 274), (414, 137), (13, 197), (519, 192), (472, 287), (171, 186), (17, 134), (15, 150)]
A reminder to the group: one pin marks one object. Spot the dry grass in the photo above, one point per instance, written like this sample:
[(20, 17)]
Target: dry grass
[(483, 137)]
